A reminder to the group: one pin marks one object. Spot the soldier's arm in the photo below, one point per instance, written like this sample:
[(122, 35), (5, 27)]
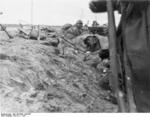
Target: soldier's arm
[(100, 5)]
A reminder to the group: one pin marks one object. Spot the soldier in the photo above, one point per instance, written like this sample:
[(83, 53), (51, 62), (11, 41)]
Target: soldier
[(75, 30), (95, 24), (134, 36), (92, 43)]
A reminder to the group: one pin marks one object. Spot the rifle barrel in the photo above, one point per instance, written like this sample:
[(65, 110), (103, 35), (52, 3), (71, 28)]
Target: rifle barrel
[(5, 31)]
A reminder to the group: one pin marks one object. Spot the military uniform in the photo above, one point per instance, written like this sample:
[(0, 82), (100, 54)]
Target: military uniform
[(75, 30), (134, 37)]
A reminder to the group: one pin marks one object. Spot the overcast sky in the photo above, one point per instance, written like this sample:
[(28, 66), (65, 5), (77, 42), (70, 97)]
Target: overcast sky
[(49, 12)]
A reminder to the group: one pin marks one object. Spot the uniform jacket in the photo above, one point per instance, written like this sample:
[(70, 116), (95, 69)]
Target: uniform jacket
[(134, 30)]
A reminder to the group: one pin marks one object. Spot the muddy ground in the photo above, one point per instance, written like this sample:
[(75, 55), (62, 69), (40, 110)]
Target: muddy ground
[(35, 78)]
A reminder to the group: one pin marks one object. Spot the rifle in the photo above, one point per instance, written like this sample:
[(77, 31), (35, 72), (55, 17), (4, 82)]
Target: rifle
[(4, 29), (115, 65), (71, 44)]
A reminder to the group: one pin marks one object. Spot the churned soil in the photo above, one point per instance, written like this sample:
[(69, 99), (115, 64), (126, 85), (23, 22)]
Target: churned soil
[(35, 78)]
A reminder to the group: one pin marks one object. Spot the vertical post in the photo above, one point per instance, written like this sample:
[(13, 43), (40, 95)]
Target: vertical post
[(113, 57)]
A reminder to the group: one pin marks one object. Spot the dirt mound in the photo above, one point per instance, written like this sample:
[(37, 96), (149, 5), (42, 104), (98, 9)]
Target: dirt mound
[(34, 78)]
